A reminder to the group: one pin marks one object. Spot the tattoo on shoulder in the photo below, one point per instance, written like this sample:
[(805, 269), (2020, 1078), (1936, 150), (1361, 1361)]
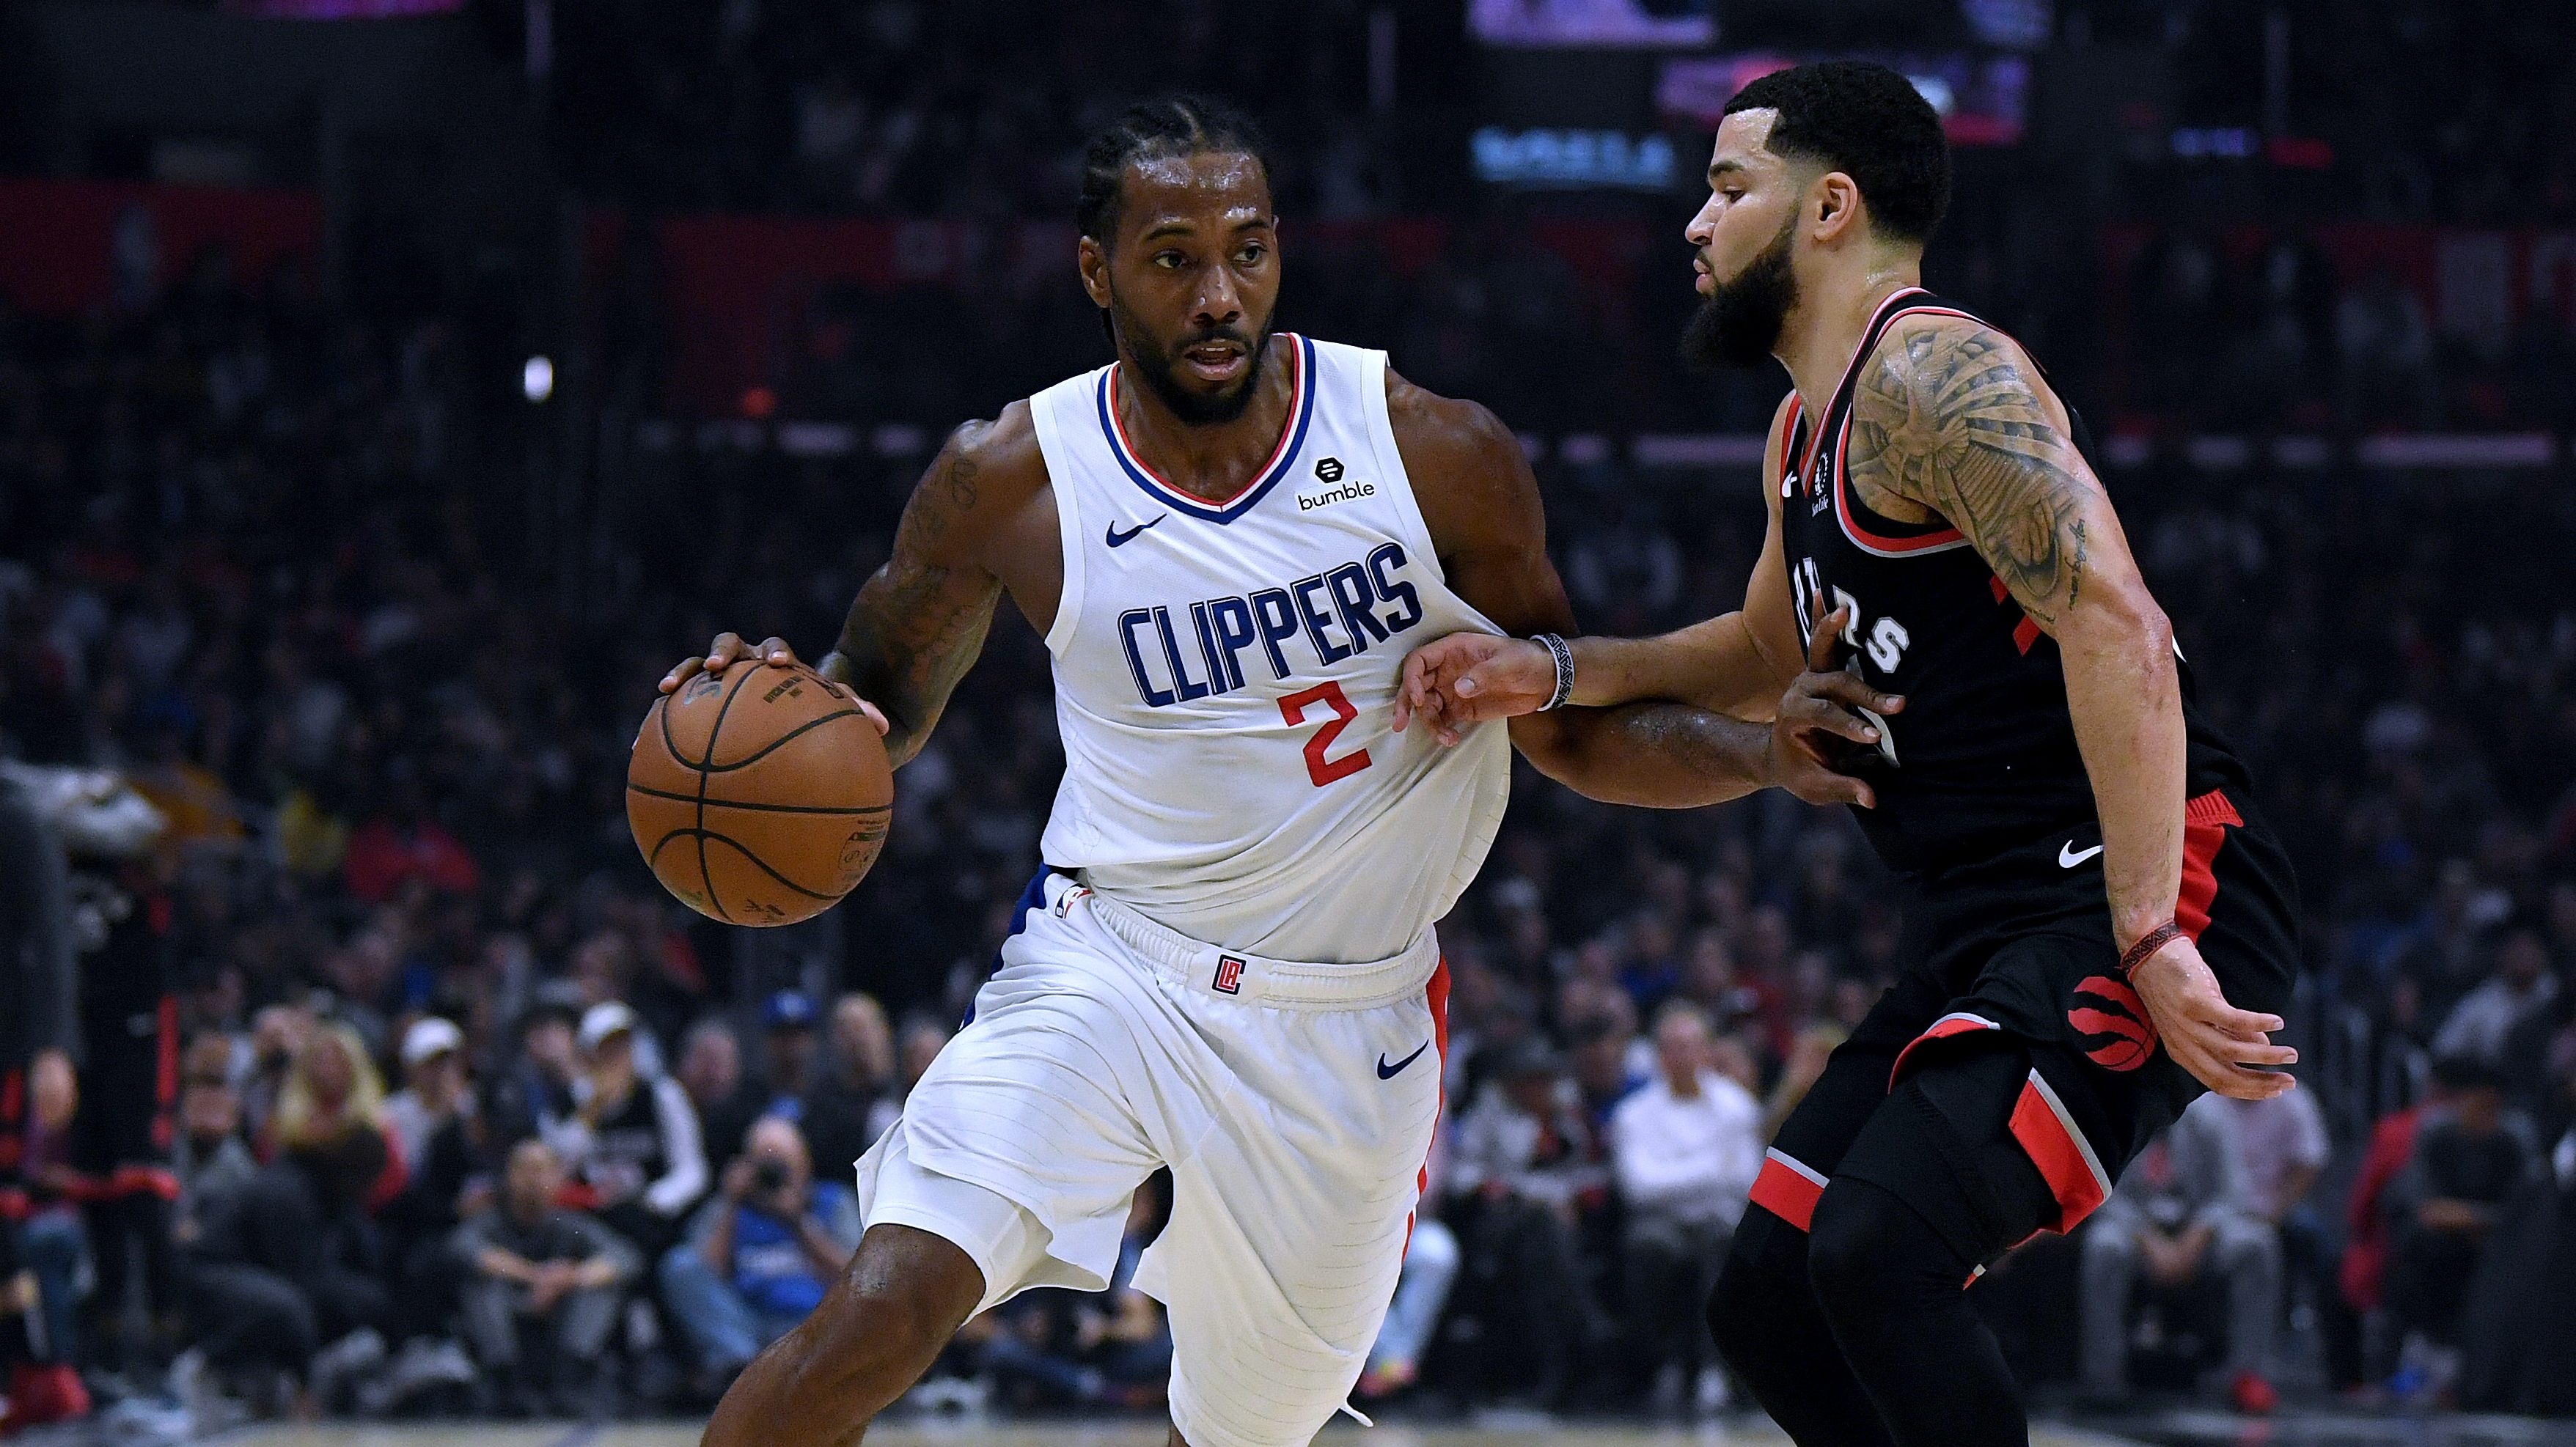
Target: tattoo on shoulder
[(948, 491), (1945, 417)]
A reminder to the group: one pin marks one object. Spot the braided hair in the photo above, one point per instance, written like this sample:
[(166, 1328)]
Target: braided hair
[(1163, 128)]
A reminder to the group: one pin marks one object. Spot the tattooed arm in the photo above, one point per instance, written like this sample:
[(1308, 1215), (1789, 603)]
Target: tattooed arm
[(981, 519), (1950, 418)]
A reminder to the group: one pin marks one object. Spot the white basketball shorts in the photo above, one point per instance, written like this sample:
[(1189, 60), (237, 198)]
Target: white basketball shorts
[(1294, 1104)]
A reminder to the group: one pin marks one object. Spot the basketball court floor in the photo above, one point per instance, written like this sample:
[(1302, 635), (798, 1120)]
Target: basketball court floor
[(2161, 1429), (1120, 1434)]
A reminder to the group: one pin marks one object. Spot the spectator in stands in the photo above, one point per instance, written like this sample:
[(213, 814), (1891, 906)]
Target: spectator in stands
[(1082, 1349), (240, 1315), (632, 1140), (787, 1052), (436, 1098), (535, 1093), (2182, 1214), (710, 1070), (2518, 1339), (1599, 1061), (277, 1035), (2363, 1272), (311, 1214), (2522, 986), (848, 1107), (405, 841), (1421, 1291), (1685, 1149), (433, 1120), (541, 1290), (787, 1069), (1524, 1164), (2283, 1146), (761, 1253), (923, 1037), (2440, 1209)]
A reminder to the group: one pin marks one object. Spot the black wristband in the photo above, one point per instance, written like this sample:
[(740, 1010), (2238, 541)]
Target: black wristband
[(1564, 657)]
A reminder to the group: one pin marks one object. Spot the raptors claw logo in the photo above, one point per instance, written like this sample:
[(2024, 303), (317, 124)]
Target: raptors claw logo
[(2133, 1035)]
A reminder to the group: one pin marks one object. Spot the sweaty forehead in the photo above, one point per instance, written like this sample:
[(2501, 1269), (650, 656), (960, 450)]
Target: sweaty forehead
[(1743, 138), (1226, 186)]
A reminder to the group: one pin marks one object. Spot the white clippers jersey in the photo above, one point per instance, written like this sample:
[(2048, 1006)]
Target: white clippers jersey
[(1226, 675)]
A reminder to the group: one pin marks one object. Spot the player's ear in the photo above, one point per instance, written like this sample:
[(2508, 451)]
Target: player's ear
[(1092, 260), (1834, 202)]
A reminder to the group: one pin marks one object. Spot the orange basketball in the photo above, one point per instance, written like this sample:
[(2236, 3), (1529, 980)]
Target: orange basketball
[(759, 796)]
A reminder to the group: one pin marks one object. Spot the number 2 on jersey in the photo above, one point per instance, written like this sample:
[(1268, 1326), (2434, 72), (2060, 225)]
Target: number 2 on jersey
[(1322, 770)]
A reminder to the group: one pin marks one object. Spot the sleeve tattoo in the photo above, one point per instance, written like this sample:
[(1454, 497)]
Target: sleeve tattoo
[(919, 623), (1944, 417)]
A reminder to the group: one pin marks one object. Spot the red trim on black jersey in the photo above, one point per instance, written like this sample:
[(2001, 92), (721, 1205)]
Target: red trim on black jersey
[(1940, 539), (1788, 444)]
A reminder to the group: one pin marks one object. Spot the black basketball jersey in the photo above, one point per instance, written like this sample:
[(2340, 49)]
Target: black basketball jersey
[(1983, 757)]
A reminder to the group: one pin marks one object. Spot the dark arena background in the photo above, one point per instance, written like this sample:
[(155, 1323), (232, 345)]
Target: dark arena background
[(392, 390)]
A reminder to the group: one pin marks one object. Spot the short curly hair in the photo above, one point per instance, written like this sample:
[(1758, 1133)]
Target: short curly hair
[(1870, 123)]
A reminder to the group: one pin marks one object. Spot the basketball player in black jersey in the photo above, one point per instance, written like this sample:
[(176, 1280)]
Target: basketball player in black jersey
[(2107, 921)]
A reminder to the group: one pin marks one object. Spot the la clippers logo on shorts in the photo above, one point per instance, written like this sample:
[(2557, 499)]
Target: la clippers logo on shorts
[(2133, 1034), (1229, 975)]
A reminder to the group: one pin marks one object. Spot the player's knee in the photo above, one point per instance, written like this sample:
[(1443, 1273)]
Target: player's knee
[(1762, 1271), (904, 1295), (1853, 1244)]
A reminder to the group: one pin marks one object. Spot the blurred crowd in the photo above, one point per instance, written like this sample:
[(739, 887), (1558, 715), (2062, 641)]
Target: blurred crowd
[(978, 107), (394, 1084), (908, 108), (975, 112)]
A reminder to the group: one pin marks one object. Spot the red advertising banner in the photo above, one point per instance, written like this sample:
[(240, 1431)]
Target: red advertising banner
[(65, 244)]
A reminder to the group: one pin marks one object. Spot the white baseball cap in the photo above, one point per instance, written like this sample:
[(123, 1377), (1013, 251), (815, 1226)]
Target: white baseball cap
[(430, 1036), (603, 1020)]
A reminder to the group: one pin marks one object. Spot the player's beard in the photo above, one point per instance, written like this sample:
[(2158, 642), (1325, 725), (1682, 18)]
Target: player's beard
[(1738, 322), (1160, 374)]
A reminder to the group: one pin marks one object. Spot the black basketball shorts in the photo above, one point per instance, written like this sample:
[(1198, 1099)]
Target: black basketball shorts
[(2019, 954)]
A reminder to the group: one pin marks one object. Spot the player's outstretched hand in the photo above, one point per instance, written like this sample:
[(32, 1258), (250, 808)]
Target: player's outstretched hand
[(1471, 677), (1817, 710), (729, 649), (2219, 1044)]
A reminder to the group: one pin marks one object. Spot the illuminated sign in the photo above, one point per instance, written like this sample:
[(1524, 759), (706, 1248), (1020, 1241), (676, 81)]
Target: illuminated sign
[(1981, 99), (1588, 24), (1574, 159)]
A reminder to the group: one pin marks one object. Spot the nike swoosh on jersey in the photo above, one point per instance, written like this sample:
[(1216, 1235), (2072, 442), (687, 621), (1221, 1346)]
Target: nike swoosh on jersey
[(1118, 539), (1390, 1072), (2068, 856)]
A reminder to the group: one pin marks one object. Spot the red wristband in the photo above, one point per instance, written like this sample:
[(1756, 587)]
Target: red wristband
[(2147, 945)]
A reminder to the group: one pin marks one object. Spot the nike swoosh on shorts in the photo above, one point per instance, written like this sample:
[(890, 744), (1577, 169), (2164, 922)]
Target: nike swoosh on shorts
[(1389, 1072)]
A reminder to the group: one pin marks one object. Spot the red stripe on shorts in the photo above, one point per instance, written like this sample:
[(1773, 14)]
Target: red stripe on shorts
[(2049, 1139), (1785, 1192), (1957, 1022), (2205, 821), (1435, 995)]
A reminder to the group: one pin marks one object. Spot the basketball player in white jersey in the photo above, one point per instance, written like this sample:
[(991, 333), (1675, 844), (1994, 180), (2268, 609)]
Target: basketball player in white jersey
[(1229, 539)]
